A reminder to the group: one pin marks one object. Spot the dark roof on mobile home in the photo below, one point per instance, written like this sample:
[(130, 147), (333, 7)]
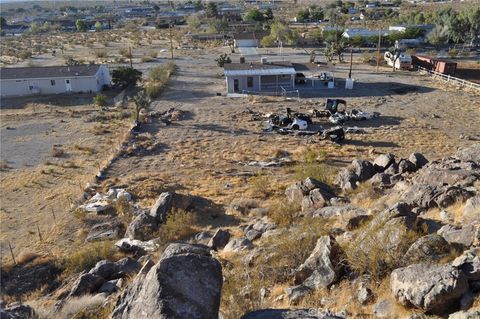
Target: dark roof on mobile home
[(48, 72)]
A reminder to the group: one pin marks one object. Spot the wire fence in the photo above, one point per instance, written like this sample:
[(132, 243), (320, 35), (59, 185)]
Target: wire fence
[(449, 78)]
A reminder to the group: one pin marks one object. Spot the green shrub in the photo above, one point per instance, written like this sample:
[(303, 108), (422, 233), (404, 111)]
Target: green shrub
[(313, 165), (283, 212), (260, 185), (179, 224), (100, 53), (100, 100)]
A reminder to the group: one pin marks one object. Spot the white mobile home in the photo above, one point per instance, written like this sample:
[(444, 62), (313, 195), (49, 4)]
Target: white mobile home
[(53, 80), (245, 40), (259, 77)]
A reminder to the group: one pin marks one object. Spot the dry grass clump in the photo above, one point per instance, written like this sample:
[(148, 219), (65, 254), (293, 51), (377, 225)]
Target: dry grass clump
[(87, 256), (57, 151), (84, 307), (260, 185), (313, 164), (366, 196), (158, 79), (180, 224), (373, 253), (283, 212), (26, 257)]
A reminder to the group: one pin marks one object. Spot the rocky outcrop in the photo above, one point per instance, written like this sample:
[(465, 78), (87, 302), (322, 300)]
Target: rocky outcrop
[(105, 231), (460, 236), (185, 283), (86, 284), (17, 310), (219, 239), (238, 244), (471, 211), (437, 290), (310, 194), (142, 227), (168, 201), (324, 265), (290, 314), (418, 160), (383, 162), (428, 248)]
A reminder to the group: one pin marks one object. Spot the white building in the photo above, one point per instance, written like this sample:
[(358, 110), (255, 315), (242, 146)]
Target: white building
[(258, 77), (364, 33), (245, 40), (53, 80)]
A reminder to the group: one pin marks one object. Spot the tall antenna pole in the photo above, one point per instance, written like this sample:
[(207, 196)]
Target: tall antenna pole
[(171, 41)]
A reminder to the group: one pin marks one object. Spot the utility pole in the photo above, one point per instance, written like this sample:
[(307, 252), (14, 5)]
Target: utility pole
[(171, 41), (351, 62), (378, 49), (130, 56)]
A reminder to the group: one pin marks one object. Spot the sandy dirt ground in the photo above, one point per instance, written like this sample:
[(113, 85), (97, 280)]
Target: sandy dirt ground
[(207, 151)]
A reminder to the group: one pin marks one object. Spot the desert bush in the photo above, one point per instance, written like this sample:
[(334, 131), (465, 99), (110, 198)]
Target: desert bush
[(368, 57), (260, 185), (313, 164), (453, 53), (57, 151), (24, 55), (153, 54), (100, 53), (87, 256), (370, 255), (179, 224), (158, 79), (283, 212), (82, 308), (100, 100), (125, 53), (146, 59)]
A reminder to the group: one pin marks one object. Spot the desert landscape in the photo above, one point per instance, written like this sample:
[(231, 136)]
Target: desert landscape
[(109, 206)]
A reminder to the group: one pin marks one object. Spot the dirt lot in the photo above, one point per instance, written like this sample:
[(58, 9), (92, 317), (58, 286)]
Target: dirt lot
[(206, 152), (50, 149)]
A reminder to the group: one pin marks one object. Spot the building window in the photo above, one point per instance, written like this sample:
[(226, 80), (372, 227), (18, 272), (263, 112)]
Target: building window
[(52, 82), (250, 82)]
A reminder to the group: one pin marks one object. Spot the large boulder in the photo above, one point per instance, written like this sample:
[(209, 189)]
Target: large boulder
[(290, 314), (420, 195), (383, 162), (469, 154), (363, 169), (418, 160), (17, 310), (459, 236), (317, 198), (238, 244), (324, 265), (405, 166), (105, 231), (168, 201), (185, 283), (428, 248), (448, 172), (142, 227), (86, 284), (452, 195), (346, 180), (471, 211), (295, 192), (219, 239), (469, 314), (469, 264), (433, 288)]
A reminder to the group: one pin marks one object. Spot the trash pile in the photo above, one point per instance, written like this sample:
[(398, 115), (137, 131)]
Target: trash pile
[(102, 203), (168, 116)]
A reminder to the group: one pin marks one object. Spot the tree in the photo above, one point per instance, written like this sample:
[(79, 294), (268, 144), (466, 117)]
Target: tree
[(211, 10), (156, 8), (81, 25), (317, 35), (356, 41), (126, 76), (280, 32), (142, 102), (3, 22), (316, 13), (395, 55), (254, 15), (193, 22), (222, 60), (268, 14), (217, 25), (98, 26), (303, 15), (198, 4)]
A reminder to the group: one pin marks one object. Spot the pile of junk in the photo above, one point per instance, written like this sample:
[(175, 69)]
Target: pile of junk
[(302, 124)]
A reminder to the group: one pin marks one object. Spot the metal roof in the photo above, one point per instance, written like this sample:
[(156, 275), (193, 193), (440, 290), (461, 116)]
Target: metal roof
[(282, 71), (48, 72)]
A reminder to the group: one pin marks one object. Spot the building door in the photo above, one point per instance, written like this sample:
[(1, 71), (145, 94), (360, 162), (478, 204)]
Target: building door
[(34, 87), (68, 85), (235, 85)]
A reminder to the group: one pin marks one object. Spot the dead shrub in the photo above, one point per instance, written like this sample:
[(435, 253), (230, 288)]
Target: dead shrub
[(179, 224), (57, 151), (101, 54), (81, 307), (87, 256), (313, 164)]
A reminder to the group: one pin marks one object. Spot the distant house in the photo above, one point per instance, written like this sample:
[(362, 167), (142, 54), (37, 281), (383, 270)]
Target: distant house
[(230, 14), (53, 80), (364, 33), (245, 40), (258, 77)]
